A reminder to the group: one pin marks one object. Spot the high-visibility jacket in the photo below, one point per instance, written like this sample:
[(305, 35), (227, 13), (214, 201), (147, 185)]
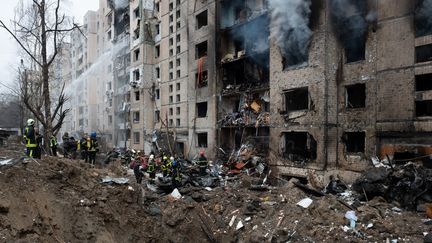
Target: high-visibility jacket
[(151, 166), (30, 137), (92, 145), (53, 142), (202, 161)]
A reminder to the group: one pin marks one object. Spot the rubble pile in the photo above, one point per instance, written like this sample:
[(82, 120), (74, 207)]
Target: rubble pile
[(64, 200), (409, 184), (251, 112)]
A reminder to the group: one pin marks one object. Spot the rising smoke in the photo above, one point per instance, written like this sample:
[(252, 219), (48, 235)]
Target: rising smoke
[(290, 29), (423, 17), (254, 39), (350, 25), (118, 4)]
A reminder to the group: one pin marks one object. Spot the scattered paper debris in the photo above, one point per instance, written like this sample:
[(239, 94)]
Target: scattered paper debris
[(305, 202), (231, 223), (239, 225), (176, 194)]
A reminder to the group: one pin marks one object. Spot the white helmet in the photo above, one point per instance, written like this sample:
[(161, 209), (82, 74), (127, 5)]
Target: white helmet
[(151, 156), (172, 158), (30, 122)]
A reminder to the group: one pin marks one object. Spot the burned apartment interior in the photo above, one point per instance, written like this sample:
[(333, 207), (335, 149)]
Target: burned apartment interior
[(243, 71)]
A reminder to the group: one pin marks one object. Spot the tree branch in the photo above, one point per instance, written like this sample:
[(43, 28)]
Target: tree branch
[(2, 25), (55, 34)]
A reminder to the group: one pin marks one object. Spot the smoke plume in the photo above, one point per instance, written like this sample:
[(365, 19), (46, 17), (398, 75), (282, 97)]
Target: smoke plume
[(350, 25), (118, 4), (423, 17), (290, 28), (253, 37)]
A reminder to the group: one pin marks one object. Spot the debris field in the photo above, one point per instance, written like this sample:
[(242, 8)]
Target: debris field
[(63, 200)]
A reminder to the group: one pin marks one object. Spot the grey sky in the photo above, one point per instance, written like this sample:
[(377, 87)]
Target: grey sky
[(8, 48)]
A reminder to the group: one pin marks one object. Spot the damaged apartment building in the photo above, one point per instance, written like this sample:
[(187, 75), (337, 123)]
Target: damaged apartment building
[(349, 80), (311, 85), (172, 76), (243, 82)]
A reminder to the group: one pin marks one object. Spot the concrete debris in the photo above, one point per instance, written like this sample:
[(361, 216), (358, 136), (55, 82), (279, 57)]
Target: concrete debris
[(407, 184), (230, 210), (6, 162), (118, 180)]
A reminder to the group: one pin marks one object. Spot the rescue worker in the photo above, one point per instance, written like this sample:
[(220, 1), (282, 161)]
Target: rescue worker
[(175, 175), (65, 139), (151, 168), (92, 146), (78, 146), (53, 145), (37, 153), (165, 166), (202, 163), (83, 148), (30, 138)]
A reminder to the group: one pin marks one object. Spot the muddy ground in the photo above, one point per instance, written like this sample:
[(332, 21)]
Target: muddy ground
[(62, 200)]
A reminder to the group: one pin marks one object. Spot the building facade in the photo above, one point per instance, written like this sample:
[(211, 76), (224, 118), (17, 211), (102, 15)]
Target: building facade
[(313, 87)]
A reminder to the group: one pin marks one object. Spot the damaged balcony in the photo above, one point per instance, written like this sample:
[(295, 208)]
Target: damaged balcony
[(240, 11), (244, 76), (247, 110), (243, 54)]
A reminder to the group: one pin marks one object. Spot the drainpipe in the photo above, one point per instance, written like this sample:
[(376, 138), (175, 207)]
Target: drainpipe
[(326, 88)]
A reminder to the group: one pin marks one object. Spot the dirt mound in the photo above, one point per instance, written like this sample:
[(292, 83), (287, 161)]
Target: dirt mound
[(61, 200)]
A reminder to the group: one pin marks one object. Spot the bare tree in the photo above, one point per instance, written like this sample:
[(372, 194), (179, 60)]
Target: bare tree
[(40, 29)]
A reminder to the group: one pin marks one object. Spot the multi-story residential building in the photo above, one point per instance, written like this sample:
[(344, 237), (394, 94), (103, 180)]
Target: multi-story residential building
[(362, 92), (98, 87), (316, 90), (83, 104), (170, 109)]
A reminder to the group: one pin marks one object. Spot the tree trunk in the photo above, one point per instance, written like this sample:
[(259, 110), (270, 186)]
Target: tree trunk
[(45, 77)]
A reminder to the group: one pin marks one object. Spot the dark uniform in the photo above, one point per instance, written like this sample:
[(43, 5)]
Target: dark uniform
[(151, 168), (202, 164), (176, 174)]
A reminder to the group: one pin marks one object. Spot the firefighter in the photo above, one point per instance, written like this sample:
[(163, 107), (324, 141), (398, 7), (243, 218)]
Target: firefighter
[(176, 173), (53, 145), (166, 166), (30, 138), (202, 163), (83, 148), (92, 148), (37, 153), (151, 170), (65, 139)]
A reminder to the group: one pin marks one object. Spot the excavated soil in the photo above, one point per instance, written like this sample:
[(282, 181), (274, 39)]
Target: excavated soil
[(61, 200)]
